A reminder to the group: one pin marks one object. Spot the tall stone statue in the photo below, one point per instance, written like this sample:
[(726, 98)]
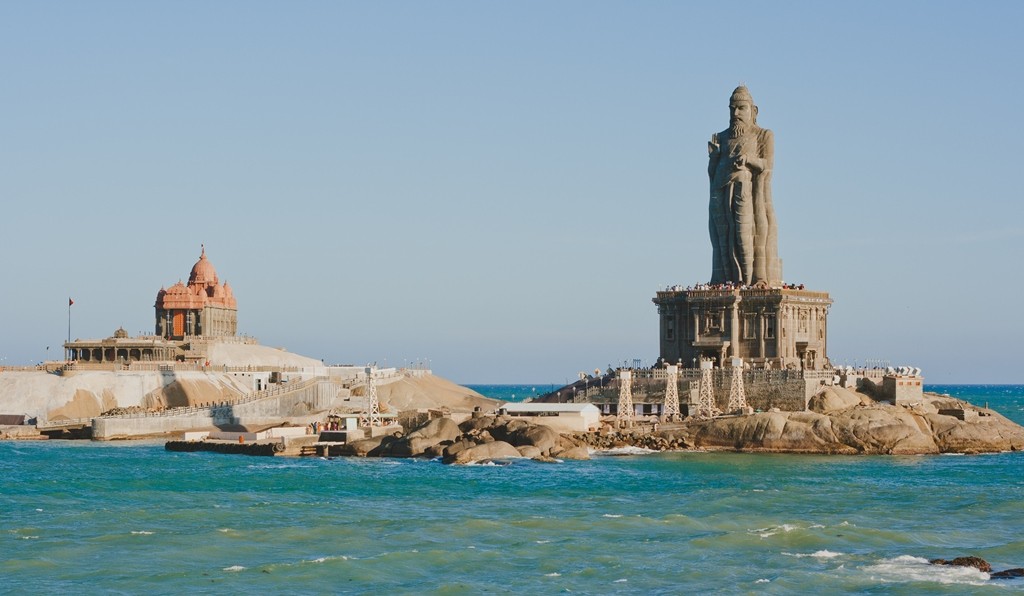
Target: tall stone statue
[(744, 237)]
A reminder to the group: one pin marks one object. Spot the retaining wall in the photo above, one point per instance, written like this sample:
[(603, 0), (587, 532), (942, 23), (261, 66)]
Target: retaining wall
[(786, 391), (267, 408)]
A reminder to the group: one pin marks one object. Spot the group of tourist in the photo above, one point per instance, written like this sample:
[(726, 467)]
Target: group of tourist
[(727, 286), (333, 422)]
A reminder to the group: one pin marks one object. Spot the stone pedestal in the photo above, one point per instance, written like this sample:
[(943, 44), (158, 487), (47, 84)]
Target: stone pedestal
[(769, 328)]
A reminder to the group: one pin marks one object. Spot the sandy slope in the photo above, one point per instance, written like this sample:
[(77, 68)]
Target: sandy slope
[(413, 393)]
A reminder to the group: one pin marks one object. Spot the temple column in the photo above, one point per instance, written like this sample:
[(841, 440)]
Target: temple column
[(762, 326)]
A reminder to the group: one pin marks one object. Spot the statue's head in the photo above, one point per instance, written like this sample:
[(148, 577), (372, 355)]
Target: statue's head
[(742, 111)]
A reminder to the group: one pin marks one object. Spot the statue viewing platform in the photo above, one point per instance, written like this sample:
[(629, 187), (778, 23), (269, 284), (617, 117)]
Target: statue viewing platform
[(746, 292)]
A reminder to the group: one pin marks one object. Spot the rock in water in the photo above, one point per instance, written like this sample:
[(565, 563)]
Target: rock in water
[(976, 562), (443, 429), (363, 447), (529, 451), (578, 453), (421, 439), (493, 450)]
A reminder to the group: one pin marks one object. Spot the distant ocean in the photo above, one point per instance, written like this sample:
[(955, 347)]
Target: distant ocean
[(514, 392), (133, 518)]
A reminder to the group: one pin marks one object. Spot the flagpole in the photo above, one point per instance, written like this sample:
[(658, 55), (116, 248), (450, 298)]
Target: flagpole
[(70, 302)]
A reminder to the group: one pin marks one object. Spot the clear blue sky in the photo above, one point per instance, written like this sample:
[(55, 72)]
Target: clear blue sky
[(500, 188)]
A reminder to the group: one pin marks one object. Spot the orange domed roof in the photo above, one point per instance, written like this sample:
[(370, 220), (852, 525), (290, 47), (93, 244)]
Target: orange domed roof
[(177, 289), (203, 272)]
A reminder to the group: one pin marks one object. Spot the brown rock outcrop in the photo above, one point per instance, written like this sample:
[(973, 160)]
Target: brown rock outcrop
[(878, 428), (420, 440), (485, 451), (976, 562)]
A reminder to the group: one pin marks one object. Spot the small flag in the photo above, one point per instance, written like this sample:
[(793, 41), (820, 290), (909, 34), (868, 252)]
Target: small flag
[(70, 301)]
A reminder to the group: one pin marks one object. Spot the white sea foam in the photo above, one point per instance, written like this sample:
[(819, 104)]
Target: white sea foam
[(620, 581), (234, 568), (325, 559), (542, 541), (773, 530), (821, 554), (29, 537), (225, 530), (553, 574), (906, 568), (142, 532), (39, 510), (275, 466), (611, 515), (763, 581)]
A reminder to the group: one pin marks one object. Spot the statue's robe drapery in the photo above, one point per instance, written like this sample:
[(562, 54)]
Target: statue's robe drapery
[(744, 237)]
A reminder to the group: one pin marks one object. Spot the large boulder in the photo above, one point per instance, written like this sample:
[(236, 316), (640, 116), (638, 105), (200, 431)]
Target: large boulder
[(578, 453), (423, 438), (442, 429), (479, 423), (881, 428), (458, 446), (364, 447), (485, 451), (769, 431), (529, 451), (521, 432), (833, 399), (884, 429), (987, 431)]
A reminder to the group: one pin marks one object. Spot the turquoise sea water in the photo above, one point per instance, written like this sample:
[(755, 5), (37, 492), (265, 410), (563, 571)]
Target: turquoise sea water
[(133, 518), (514, 392)]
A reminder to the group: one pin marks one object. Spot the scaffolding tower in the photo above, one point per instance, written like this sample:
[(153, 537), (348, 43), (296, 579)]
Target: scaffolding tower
[(737, 395), (670, 411), (706, 396), (371, 415), (625, 407)]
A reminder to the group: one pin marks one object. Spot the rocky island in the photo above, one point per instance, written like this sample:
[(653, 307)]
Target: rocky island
[(840, 421)]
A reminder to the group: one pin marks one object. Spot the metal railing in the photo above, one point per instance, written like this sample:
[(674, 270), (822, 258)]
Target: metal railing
[(274, 391)]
